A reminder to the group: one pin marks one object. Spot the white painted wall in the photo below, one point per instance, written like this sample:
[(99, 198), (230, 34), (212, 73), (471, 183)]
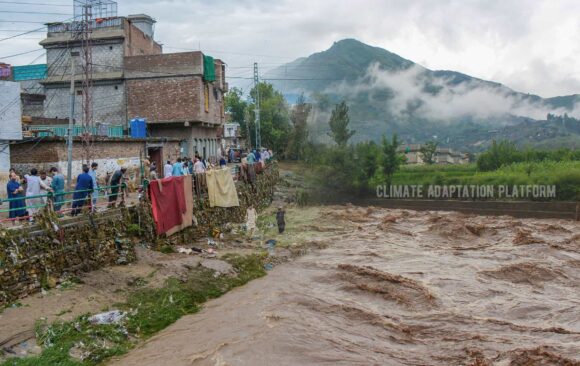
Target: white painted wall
[(10, 126), (10, 111)]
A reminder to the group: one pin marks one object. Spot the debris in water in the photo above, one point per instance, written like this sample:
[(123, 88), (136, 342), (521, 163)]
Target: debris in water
[(110, 317)]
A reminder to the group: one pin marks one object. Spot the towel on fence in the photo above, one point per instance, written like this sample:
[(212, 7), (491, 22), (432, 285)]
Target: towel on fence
[(221, 188), (168, 203), (187, 216)]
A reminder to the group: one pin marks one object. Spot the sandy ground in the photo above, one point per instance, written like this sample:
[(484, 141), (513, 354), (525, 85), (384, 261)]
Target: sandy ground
[(97, 291), (396, 287)]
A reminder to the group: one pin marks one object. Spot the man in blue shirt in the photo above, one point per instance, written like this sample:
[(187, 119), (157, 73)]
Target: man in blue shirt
[(82, 190), (93, 174), (57, 186), (177, 168), (251, 158)]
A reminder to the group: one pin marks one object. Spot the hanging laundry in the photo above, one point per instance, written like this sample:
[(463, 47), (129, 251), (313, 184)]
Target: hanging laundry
[(168, 203), (187, 216), (221, 188)]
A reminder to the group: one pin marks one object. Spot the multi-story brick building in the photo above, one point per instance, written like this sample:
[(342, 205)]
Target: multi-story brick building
[(112, 40), (180, 95)]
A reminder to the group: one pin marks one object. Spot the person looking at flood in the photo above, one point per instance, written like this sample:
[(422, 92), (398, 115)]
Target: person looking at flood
[(57, 186), (15, 190), (251, 217), (82, 189), (116, 184), (280, 220), (34, 187)]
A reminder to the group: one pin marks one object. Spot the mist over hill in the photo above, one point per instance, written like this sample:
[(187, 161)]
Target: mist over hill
[(387, 93)]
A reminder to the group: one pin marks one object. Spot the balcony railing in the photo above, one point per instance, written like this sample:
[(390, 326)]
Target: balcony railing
[(76, 26), (62, 130)]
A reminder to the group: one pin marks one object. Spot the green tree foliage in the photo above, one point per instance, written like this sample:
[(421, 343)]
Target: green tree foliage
[(338, 123), (275, 124), (428, 151), (390, 159), (299, 135), (236, 106), (504, 153)]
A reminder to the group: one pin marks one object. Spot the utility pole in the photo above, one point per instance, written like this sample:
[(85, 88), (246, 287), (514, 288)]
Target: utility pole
[(71, 119), (257, 110)]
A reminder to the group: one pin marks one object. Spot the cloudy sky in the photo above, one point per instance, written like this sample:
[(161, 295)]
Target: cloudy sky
[(529, 45)]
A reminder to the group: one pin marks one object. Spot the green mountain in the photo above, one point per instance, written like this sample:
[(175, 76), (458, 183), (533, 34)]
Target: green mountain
[(387, 93)]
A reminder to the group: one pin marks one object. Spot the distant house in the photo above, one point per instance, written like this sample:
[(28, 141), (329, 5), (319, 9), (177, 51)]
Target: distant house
[(231, 134), (442, 156)]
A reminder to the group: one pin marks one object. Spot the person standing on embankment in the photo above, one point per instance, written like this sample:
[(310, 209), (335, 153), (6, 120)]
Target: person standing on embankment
[(280, 220)]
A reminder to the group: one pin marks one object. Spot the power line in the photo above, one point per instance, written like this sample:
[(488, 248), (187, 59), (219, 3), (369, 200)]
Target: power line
[(21, 34), (230, 53), (28, 3), (20, 30), (30, 31), (22, 21), (21, 53), (31, 12)]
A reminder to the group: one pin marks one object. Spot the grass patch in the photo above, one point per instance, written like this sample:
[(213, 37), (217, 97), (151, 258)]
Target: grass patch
[(565, 175), (167, 249), (149, 311)]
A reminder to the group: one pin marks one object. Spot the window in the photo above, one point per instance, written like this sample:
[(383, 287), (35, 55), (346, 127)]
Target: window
[(111, 48), (116, 87), (79, 92)]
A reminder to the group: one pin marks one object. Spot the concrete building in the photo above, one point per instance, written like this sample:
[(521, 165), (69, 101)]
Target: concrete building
[(112, 39), (181, 96), (31, 91), (10, 126), (442, 156), (109, 153)]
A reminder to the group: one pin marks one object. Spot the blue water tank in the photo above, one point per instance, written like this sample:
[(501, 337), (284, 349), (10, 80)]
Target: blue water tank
[(138, 128)]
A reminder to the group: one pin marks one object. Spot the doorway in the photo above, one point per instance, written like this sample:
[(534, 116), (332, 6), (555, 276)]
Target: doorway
[(156, 155)]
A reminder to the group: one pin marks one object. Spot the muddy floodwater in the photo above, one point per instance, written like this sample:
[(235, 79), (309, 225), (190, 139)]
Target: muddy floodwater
[(393, 287)]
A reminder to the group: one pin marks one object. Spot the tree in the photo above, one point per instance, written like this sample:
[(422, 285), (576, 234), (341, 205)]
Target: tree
[(338, 122), (390, 159), (274, 118), (299, 135), (236, 106), (428, 151)]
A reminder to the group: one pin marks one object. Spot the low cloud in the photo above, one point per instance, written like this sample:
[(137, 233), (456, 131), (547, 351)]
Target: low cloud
[(411, 93)]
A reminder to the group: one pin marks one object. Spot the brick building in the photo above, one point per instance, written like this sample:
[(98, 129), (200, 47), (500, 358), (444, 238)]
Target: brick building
[(112, 40), (180, 95), (110, 153)]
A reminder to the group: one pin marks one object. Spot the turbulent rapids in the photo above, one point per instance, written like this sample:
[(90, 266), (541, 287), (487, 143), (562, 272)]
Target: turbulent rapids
[(394, 287)]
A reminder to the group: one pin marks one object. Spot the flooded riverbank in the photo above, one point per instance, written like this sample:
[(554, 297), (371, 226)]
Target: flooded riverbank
[(397, 287)]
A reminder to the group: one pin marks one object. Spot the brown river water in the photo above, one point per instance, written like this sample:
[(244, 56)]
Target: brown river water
[(394, 287)]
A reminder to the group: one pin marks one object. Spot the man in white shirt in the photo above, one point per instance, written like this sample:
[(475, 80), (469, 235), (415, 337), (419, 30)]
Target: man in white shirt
[(198, 167), (167, 169), (33, 188), (265, 155)]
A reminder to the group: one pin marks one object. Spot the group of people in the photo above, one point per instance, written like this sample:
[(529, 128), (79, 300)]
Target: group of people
[(188, 166), (29, 193), (33, 189), (258, 156), (87, 185)]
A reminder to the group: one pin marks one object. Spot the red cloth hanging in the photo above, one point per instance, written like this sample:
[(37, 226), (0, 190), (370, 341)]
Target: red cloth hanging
[(168, 203)]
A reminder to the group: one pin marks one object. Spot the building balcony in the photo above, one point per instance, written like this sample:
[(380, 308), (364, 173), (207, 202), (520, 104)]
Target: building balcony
[(116, 22), (104, 130)]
